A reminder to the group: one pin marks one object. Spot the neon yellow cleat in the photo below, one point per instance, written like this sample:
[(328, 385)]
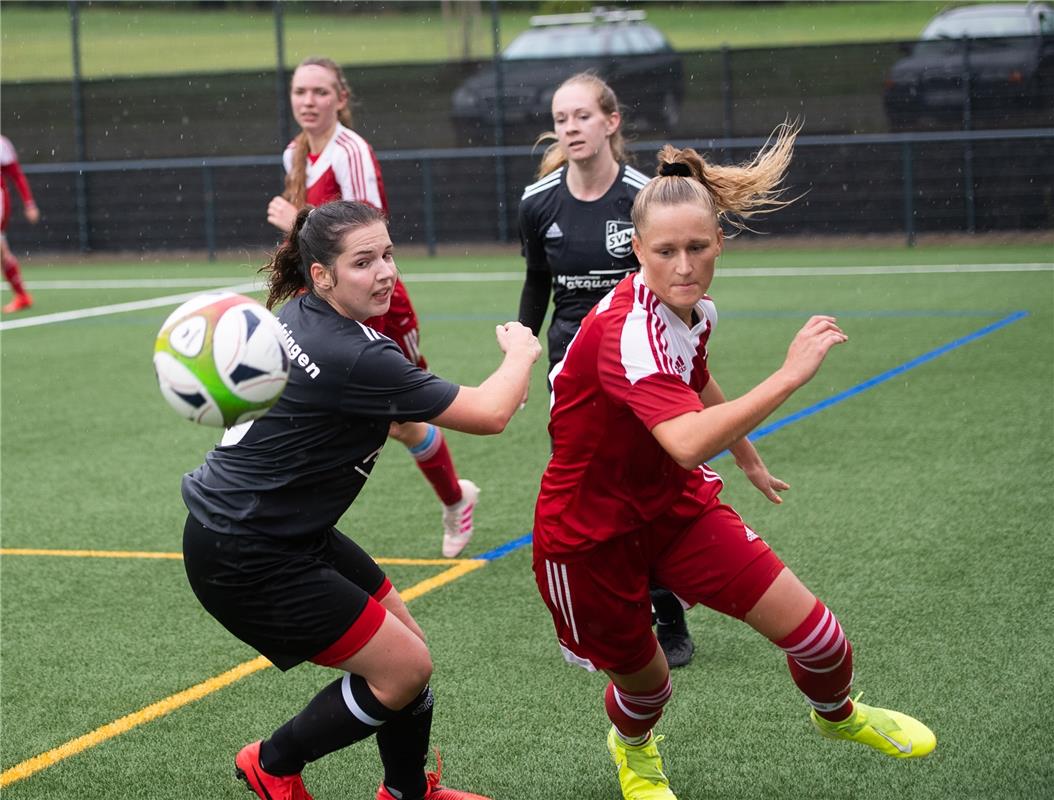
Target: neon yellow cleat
[(640, 769), (889, 732)]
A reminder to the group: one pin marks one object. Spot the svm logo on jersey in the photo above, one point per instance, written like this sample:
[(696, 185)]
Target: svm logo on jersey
[(619, 238)]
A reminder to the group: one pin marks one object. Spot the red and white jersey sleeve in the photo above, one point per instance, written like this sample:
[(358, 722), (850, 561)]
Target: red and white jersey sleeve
[(346, 169), (10, 170), (632, 365)]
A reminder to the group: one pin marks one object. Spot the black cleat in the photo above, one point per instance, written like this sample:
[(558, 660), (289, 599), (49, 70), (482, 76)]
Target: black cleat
[(676, 642)]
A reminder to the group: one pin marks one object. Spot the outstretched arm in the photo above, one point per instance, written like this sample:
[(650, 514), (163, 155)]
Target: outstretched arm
[(746, 455), (487, 408), (692, 438)]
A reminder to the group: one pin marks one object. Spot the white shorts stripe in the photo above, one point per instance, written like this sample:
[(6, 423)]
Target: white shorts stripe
[(554, 595), (567, 594)]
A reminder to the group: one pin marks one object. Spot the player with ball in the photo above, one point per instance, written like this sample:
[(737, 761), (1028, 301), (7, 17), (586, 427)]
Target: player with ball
[(260, 547)]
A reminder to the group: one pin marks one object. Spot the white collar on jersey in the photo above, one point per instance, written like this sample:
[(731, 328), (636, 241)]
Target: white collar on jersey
[(705, 310)]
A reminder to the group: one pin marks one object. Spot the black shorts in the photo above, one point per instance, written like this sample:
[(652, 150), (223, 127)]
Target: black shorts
[(308, 598), (561, 332)]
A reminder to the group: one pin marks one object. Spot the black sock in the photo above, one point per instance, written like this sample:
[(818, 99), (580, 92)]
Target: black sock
[(403, 743), (326, 724), (668, 609)]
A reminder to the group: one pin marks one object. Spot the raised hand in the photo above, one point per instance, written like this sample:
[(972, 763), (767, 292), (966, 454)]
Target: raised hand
[(809, 348)]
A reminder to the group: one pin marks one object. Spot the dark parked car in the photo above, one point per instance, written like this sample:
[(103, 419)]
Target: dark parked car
[(632, 56), (992, 62)]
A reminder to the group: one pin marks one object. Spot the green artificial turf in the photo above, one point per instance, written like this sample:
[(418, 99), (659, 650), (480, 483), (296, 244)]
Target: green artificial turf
[(920, 511)]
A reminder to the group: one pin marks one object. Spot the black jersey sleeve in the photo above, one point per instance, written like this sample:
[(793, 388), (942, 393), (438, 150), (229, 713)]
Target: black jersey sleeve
[(534, 299), (383, 384), (537, 284)]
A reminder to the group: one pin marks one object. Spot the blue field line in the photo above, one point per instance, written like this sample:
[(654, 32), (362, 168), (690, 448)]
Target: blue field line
[(865, 313), (870, 383)]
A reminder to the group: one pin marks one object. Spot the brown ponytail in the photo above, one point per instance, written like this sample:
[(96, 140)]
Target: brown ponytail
[(733, 193), (296, 180), (285, 278)]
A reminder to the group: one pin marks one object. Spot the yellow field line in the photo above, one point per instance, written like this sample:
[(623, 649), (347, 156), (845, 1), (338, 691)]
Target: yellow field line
[(169, 704), (129, 721), (25, 551), (446, 576)]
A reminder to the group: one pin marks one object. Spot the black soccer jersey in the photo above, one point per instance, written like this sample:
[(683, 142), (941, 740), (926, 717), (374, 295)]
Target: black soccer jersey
[(297, 469), (582, 249)]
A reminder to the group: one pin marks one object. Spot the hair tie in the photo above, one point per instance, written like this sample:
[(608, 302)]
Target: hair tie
[(678, 168)]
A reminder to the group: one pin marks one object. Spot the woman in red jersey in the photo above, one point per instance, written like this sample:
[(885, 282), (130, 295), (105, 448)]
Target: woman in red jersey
[(11, 171), (627, 498), (329, 161)]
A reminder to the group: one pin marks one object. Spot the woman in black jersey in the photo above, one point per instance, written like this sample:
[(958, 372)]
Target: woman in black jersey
[(577, 240), (260, 547)]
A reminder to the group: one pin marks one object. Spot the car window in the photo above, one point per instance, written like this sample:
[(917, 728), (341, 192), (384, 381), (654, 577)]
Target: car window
[(980, 25), (622, 43), (585, 40), (1046, 22), (556, 42), (642, 39), (654, 41)]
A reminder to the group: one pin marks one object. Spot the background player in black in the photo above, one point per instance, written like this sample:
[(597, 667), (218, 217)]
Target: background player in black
[(577, 235), (260, 547)]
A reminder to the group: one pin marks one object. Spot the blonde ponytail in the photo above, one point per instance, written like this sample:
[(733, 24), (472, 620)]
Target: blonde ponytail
[(733, 193)]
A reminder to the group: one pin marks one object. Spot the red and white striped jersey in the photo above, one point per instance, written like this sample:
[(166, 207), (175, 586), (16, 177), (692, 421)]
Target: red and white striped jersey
[(346, 169), (632, 364)]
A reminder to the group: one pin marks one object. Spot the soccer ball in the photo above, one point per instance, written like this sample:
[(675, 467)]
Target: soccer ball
[(221, 359)]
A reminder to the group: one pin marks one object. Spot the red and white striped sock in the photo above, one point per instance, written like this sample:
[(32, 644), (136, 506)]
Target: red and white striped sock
[(821, 663), (635, 714)]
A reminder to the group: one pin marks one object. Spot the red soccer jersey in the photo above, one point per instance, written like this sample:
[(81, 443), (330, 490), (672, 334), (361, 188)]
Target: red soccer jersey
[(11, 171), (632, 364), (346, 169)]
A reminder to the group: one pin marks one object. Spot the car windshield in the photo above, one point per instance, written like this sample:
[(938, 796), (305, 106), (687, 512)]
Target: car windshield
[(996, 23), (576, 41)]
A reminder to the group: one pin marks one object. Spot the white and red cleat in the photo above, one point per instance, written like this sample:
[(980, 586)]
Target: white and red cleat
[(457, 520)]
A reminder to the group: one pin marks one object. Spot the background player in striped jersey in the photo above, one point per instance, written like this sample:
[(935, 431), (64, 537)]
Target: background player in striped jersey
[(11, 171), (627, 497), (260, 547), (575, 229), (329, 161)]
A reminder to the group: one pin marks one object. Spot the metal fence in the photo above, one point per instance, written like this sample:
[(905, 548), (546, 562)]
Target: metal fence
[(909, 183), (190, 161)]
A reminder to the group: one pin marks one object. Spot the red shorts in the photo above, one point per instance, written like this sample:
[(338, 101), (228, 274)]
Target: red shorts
[(600, 599), (400, 325)]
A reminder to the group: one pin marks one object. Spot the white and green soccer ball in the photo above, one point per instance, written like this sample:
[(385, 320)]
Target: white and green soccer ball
[(221, 359)]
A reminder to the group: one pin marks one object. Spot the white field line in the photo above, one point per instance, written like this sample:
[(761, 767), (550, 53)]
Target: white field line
[(116, 308), (465, 277), (138, 283), (460, 277)]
